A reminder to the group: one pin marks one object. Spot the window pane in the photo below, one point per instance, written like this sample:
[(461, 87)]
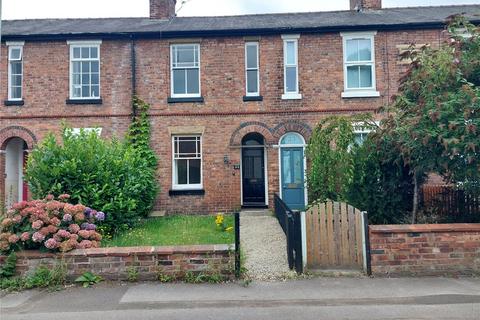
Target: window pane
[(181, 171), (193, 81), (85, 91), (360, 138), (16, 67), (352, 50), (187, 148), (291, 138), (85, 67), (95, 78), (290, 52), (76, 53), (76, 67), (17, 80), (365, 76), (252, 56), (85, 53), (76, 78), (194, 171), (95, 91), (252, 81), (15, 54), (364, 50), (85, 78), (353, 77), (185, 56), (291, 79), (16, 92), (94, 52), (179, 81), (94, 66)]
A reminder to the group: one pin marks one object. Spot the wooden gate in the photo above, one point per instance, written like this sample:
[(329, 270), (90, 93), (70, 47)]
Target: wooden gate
[(335, 236)]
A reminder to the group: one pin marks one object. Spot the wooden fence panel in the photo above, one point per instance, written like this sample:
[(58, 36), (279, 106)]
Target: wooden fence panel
[(334, 236)]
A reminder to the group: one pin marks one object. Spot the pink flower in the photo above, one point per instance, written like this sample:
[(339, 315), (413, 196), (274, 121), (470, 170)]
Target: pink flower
[(85, 244), (67, 217), (74, 237), (51, 244), (79, 217), (4, 245), (55, 221), (63, 197), (20, 205), (63, 233), (38, 237), (85, 234), (37, 224), (25, 236), (52, 229), (17, 218), (74, 228), (7, 222), (49, 197), (13, 238), (45, 231)]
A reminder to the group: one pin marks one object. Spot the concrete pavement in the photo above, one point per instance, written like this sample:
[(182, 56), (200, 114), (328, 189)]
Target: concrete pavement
[(320, 298)]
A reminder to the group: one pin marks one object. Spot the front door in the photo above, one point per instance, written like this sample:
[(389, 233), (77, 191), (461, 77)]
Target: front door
[(253, 176), (292, 175)]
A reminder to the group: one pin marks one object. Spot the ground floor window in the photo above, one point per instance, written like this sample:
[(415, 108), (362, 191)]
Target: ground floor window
[(187, 162)]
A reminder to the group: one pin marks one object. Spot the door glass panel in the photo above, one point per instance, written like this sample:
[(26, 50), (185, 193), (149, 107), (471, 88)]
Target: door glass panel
[(286, 171), (297, 166)]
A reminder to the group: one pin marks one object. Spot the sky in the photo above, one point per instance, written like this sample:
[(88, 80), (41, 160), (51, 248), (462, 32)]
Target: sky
[(36, 9)]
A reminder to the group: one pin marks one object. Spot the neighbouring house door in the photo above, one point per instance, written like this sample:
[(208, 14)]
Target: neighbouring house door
[(253, 176), (292, 175)]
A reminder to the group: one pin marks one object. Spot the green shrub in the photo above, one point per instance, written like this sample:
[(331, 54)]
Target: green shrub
[(9, 268), (110, 176)]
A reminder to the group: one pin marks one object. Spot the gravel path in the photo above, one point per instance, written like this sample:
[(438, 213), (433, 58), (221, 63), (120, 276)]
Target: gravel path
[(264, 246)]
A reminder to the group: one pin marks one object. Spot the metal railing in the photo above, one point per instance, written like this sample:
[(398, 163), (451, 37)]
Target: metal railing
[(290, 221)]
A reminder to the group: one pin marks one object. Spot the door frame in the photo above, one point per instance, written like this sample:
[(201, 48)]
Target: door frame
[(265, 166), (280, 146)]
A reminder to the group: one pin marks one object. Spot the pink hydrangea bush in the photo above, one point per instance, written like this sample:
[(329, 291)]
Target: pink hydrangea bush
[(50, 224)]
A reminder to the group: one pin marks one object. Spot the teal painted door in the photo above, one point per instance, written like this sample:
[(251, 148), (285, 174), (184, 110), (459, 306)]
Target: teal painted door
[(292, 175)]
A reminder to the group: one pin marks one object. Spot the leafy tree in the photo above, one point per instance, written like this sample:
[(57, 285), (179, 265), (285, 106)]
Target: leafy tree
[(434, 120)]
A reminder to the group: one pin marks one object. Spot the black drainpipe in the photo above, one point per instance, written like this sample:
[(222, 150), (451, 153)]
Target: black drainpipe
[(133, 63)]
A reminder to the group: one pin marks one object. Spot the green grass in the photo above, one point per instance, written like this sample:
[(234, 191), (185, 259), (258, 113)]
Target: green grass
[(174, 230)]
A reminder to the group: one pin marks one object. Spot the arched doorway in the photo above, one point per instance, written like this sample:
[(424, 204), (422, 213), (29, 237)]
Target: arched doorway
[(15, 159), (254, 188), (292, 170)]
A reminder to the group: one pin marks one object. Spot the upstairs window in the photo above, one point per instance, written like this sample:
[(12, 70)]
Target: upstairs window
[(187, 162), (84, 70), (290, 67), (359, 64), (15, 71), (252, 69), (185, 70)]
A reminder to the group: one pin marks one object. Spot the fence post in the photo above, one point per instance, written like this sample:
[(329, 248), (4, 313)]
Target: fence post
[(289, 231), (366, 244), (297, 236), (237, 245), (304, 238)]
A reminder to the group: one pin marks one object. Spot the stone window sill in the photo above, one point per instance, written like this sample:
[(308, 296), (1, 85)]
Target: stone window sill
[(361, 94), (14, 102), (291, 96), (84, 101), (252, 98), (198, 192), (185, 100)]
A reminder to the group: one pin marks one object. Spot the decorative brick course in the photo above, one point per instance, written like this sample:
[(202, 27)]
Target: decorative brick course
[(113, 263), (429, 249)]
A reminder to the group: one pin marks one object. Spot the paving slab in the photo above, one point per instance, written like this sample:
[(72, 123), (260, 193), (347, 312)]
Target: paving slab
[(14, 300)]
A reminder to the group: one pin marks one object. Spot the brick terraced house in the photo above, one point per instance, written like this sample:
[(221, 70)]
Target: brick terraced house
[(233, 99)]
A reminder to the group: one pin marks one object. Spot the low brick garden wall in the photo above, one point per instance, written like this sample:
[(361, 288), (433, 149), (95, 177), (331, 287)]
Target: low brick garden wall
[(114, 263), (428, 249)]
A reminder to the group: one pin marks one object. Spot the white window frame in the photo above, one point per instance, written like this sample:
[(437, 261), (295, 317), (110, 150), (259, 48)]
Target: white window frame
[(195, 186), (11, 46), (185, 95), (359, 92), (77, 131), (83, 44), (257, 69), (296, 94), (364, 128)]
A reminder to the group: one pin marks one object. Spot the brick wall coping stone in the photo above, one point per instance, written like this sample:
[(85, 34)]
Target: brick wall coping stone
[(425, 228), (130, 251)]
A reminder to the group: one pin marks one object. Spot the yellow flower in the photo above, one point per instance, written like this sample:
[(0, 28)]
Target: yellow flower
[(229, 229)]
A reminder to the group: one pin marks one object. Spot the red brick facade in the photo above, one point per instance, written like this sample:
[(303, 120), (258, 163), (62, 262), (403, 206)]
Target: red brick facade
[(442, 249), (223, 117)]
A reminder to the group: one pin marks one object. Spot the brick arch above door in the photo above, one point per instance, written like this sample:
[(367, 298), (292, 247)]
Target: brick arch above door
[(17, 132), (249, 127), (292, 126)]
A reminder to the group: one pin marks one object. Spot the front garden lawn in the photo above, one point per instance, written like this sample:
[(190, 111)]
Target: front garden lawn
[(174, 230)]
